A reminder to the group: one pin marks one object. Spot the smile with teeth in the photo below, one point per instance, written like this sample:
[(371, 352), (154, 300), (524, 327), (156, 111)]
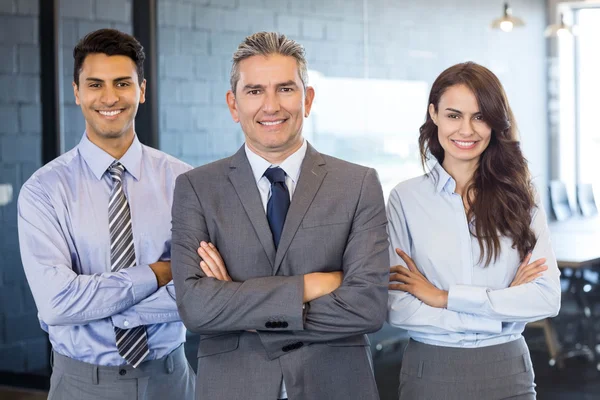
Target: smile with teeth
[(464, 145), (271, 123), (110, 113)]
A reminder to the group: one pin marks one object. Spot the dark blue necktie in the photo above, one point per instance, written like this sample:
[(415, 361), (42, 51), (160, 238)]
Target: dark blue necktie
[(279, 202)]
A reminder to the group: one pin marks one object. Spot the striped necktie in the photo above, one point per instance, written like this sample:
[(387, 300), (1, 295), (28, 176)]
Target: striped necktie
[(132, 344)]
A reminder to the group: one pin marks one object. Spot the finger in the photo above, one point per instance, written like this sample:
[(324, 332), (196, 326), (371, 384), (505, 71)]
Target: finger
[(401, 278), (399, 286), (409, 262), (206, 270), (525, 260), (217, 257), (398, 269), (535, 271), (214, 260), (216, 271)]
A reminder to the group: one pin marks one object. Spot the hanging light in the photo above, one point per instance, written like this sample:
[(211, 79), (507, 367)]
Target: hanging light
[(507, 22), (559, 30)]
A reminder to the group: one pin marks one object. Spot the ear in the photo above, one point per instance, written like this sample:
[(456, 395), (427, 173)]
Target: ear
[(309, 96), (143, 92), (76, 93), (230, 98), (433, 114)]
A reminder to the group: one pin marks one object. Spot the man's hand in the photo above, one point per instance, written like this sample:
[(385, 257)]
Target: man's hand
[(212, 264), (162, 270), (318, 284), (529, 272), (412, 281)]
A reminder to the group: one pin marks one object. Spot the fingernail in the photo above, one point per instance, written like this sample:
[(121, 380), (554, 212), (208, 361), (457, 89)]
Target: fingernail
[(203, 244)]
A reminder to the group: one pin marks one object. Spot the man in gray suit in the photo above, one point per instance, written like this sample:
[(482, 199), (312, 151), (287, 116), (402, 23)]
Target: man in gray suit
[(292, 269)]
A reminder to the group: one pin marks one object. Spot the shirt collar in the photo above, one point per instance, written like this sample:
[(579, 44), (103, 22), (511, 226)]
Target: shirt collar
[(443, 180), (290, 165), (98, 160)]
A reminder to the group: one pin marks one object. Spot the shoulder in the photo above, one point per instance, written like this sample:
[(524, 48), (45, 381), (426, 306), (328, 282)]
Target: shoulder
[(164, 160)]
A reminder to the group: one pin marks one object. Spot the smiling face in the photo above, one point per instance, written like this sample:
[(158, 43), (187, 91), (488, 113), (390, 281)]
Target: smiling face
[(462, 132), (270, 104), (109, 94)]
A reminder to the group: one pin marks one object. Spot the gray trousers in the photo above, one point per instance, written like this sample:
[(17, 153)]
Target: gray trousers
[(497, 372), (170, 377)]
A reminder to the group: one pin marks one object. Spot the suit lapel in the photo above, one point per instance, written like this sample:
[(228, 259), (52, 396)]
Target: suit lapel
[(242, 179), (312, 174)]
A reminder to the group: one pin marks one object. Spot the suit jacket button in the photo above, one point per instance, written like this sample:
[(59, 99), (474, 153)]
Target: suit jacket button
[(269, 324), (122, 372), (278, 324), (284, 324)]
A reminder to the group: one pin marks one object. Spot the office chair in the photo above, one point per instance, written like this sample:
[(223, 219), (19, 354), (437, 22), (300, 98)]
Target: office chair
[(559, 201), (585, 199)]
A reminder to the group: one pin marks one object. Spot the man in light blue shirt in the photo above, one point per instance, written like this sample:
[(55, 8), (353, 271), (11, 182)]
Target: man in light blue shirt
[(94, 232)]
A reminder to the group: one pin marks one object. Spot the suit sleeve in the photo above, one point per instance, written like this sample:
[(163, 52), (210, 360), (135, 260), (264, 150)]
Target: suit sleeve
[(207, 305), (358, 306)]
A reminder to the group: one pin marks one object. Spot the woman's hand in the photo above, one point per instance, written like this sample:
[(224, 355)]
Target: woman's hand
[(413, 282), (529, 272)]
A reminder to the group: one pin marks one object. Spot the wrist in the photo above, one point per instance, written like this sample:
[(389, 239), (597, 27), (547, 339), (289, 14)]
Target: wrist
[(443, 299)]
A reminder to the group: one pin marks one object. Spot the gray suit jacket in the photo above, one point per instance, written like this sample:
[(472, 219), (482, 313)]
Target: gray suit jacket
[(336, 222)]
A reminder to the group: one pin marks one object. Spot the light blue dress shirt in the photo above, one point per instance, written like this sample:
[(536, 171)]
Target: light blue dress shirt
[(291, 166), (427, 220), (65, 249)]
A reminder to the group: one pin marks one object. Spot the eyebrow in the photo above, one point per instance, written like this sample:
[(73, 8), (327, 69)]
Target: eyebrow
[(121, 78), (460, 112), (282, 84)]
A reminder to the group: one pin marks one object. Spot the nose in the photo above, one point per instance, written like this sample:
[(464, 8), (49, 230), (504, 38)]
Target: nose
[(466, 127), (109, 96), (271, 103)]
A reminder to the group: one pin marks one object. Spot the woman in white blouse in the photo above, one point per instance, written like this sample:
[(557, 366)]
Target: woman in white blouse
[(471, 241)]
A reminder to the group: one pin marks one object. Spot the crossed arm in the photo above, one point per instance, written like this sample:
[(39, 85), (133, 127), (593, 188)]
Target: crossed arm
[(64, 297), (418, 305)]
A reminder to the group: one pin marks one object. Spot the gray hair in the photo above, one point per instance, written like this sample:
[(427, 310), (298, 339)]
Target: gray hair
[(265, 44)]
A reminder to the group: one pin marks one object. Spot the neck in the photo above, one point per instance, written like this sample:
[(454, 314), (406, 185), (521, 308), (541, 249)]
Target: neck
[(116, 147), (276, 157), (461, 172)]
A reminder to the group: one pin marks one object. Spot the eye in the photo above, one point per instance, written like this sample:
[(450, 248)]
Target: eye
[(286, 89), (254, 92), (94, 85), (453, 116), (122, 84), (479, 118)]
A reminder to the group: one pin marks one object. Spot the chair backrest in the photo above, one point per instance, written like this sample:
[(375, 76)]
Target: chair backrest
[(585, 199), (559, 201)]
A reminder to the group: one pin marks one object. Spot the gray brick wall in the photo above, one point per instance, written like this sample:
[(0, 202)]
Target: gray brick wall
[(23, 345), (405, 40), (78, 18)]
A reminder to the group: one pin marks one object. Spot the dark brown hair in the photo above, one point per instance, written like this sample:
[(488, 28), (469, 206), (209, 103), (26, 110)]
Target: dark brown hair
[(500, 195), (112, 43)]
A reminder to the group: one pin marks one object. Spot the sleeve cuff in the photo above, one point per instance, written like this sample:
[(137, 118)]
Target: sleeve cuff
[(127, 319), (467, 299), (143, 280)]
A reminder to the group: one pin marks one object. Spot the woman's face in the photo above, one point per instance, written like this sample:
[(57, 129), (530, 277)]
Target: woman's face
[(462, 132)]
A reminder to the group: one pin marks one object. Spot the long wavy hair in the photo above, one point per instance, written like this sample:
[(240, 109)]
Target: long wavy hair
[(500, 195)]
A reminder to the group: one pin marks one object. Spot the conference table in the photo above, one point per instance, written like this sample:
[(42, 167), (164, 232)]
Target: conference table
[(576, 244)]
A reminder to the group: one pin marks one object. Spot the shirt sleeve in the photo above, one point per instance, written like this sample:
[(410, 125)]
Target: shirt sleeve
[(523, 303), (406, 311), (158, 308), (62, 296)]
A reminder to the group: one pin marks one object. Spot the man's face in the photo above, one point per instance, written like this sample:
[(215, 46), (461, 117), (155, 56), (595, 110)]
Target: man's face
[(109, 94), (270, 103)]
